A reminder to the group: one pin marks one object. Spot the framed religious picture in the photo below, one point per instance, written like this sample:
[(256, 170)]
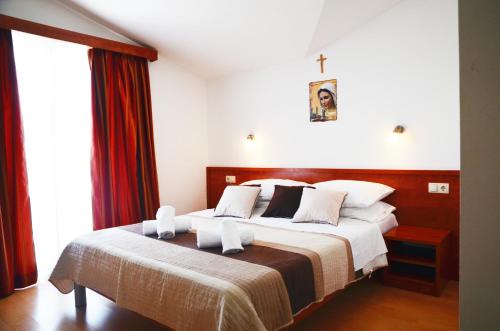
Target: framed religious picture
[(323, 101)]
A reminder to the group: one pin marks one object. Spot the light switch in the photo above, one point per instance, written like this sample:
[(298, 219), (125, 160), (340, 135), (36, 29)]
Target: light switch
[(433, 188), (230, 179)]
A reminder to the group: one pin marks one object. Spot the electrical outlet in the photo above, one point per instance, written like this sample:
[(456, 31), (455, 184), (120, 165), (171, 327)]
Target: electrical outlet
[(444, 188), (230, 179)]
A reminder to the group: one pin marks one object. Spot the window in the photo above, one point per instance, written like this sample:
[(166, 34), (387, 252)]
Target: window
[(54, 90)]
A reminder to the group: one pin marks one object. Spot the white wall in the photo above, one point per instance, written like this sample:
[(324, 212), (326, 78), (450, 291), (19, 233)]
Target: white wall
[(179, 108), (53, 13), (180, 127), (399, 68)]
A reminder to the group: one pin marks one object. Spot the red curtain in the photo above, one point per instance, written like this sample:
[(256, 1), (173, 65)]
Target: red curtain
[(124, 178), (17, 252)]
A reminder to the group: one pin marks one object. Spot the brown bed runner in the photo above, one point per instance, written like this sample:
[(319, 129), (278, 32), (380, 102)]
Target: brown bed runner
[(296, 269)]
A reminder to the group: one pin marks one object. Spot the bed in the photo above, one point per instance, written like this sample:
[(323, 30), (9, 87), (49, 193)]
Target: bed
[(289, 269)]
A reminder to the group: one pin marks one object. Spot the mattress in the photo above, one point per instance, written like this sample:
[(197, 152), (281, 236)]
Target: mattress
[(366, 240)]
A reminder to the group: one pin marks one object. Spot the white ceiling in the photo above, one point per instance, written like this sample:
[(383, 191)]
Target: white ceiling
[(213, 38)]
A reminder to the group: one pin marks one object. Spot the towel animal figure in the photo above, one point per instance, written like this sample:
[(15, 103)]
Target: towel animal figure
[(166, 224), (208, 238)]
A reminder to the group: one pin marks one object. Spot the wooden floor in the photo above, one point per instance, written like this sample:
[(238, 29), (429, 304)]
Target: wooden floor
[(367, 305)]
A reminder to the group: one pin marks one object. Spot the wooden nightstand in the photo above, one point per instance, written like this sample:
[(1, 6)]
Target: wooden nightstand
[(416, 256)]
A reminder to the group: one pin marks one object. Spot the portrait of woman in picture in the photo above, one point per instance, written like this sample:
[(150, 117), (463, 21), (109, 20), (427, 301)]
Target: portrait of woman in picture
[(323, 101)]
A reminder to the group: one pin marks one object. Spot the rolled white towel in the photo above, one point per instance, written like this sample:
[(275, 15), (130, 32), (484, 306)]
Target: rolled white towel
[(166, 225), (246, 236), (182, 223), (206, 238), (230, 237), (149, 227)]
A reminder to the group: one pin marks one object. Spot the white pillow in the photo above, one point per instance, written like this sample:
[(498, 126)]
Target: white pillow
[(375, 213), (360, 194), (237, 201), (267, 185), (319, 206)]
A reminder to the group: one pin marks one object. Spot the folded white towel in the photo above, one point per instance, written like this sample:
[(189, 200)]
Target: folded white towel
[(149, 227), (230, 237), (166, 225), (182, 223), (206, 238)]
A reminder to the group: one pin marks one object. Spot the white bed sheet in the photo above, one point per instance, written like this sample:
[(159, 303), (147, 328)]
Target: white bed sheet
[(387, 223), (367, 242)]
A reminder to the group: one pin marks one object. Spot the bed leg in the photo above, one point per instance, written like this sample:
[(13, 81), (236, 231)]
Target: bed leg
[(80, 296)]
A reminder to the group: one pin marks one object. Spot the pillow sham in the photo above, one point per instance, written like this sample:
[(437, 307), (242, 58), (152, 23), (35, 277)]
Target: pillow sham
[(319, 206), (237, 201), (360, 194), (267, 185), (285, 201), (375, 213)]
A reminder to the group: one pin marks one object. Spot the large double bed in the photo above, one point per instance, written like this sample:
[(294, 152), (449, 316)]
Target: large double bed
[(288, 269)]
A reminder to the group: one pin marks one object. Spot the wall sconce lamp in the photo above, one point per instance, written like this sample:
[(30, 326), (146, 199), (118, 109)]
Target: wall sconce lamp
[(399, 129), (250, 137)]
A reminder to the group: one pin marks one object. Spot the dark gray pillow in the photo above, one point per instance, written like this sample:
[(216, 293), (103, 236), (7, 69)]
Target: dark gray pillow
[(285, 201)]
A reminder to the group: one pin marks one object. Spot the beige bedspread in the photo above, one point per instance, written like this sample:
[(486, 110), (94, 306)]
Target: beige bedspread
[(185, 288)]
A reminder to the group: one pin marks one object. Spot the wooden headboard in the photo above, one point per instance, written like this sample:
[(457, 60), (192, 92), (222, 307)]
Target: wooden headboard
[(415, 206)]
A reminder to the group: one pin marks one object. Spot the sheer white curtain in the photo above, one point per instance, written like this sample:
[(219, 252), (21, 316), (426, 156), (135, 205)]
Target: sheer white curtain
[(54, 90)]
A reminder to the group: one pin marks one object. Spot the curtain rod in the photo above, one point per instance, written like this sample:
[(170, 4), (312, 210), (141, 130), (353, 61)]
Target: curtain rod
[(14, 23)]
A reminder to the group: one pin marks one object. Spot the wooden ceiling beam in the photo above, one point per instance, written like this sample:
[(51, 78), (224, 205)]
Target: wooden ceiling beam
[(14, 23)]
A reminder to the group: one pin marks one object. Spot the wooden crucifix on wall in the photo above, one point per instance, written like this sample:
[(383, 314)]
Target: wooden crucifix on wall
[(321, 60)]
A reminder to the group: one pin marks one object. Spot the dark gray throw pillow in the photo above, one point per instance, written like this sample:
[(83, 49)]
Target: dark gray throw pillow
[(285, 201)]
